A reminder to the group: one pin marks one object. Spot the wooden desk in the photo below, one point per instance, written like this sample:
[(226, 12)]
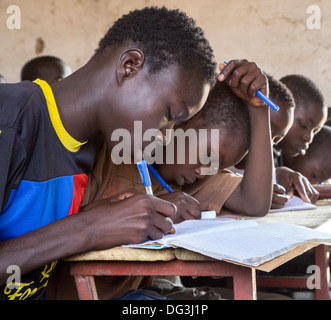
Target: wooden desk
[(165, 262), (181, 262), (319, 219), (170, 262)]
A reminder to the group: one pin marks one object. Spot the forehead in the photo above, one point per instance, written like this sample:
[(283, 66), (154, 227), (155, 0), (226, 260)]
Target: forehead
[(313, 113), (282, 120), (185, 87), (230, 149)]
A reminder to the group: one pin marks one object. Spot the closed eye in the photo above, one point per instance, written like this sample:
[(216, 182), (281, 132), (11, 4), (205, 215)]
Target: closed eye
[(168, 114)]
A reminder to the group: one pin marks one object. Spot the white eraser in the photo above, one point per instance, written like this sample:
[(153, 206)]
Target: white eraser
[(208, 214)]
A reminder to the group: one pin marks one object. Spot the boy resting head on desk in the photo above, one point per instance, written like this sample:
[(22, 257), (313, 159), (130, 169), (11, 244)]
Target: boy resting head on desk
[(239, 131)]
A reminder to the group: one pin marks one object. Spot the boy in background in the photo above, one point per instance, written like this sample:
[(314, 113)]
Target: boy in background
[(309, 116), (315, 164), (48, 68)]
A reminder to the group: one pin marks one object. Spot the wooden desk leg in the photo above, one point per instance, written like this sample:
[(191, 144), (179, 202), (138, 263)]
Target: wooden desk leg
[(322, 261), (244, 284), (86, 287)]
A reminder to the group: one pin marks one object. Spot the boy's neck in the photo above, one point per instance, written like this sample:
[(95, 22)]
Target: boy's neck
[(78, 98)]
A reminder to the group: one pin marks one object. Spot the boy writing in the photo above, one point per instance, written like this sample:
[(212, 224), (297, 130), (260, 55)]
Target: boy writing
[(309, 116), (50, 136), (315, 165), (229, 114)]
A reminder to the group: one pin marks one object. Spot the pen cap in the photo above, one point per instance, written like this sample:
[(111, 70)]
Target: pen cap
[(144, 174)]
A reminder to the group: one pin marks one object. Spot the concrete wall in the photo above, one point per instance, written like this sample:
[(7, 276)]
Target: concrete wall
[(273, 33)]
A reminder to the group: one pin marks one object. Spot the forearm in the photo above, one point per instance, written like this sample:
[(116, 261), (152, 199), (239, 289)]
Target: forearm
[(41, 246), (105, 224), (253, 195)]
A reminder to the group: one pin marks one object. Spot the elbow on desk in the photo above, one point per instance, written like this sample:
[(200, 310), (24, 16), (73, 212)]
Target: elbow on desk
[(257, 210)]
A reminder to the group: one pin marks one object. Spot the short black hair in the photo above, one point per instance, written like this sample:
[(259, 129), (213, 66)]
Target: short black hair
[(30, 70), (303, 89), (280, 92), (166, 37), (226, 110)]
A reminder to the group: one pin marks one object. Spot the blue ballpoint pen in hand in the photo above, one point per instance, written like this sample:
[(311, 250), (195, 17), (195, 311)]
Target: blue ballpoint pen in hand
[(159, 178), (264, 98), (144, 175), (146, 180)]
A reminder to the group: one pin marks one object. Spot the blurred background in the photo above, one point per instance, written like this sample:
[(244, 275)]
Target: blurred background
[(277, 34)]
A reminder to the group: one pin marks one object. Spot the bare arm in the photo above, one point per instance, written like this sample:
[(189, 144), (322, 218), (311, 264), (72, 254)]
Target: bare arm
[(93, 229), (253, 194)]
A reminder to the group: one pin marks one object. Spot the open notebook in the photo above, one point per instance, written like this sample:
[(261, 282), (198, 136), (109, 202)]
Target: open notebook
[(240, 241)]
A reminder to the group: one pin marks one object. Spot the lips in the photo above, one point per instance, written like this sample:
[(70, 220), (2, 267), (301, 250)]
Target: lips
[(302, 149), (189, 181)]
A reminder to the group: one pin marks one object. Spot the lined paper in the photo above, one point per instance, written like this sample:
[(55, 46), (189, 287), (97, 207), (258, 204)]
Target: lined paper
[(241, 241), (295, 203)]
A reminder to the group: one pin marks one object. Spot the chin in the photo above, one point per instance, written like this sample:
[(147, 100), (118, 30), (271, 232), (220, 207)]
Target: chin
[(180, 181), (292, 153)]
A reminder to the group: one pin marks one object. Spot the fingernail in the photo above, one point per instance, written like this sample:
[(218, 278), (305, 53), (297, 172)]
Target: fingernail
[(221, 77), (172, 231)]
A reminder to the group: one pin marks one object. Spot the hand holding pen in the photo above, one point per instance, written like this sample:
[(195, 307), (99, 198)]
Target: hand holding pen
[(247, 81), (146, 180)]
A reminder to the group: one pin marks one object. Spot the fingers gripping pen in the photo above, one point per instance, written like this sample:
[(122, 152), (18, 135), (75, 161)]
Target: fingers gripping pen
[(263, 97)]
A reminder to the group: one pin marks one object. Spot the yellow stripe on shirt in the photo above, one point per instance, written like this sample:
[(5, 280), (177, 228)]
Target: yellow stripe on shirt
[(66, 139)]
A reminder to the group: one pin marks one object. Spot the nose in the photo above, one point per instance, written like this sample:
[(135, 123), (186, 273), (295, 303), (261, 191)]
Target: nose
[(309, 136), (200, 172), (163, 137)]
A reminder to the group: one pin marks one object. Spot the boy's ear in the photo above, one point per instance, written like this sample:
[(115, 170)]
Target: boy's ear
[(129, 64)]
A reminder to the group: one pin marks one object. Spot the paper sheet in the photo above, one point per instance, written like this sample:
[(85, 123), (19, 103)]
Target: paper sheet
[(295, 203), (241, 241)]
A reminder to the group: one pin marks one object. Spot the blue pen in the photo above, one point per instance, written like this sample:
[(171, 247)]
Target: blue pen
[(144, 175), (159, 178), (145, 178), (264, 98)]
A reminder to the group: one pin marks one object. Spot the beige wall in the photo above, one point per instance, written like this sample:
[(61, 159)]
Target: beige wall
[(271, 32)]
